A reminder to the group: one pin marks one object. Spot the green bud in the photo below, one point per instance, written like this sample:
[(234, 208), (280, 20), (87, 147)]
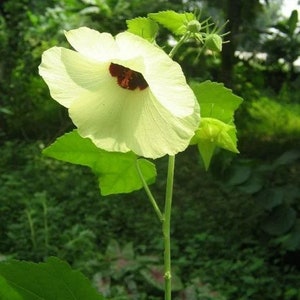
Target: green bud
[(193, 26), (214, 42)]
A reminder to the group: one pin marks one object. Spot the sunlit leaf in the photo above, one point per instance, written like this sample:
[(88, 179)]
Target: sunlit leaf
[(175, 22), (51, 280), (144, 27), (216, 101), (206, 150), (213, 133), (217, 128), (117, 172)]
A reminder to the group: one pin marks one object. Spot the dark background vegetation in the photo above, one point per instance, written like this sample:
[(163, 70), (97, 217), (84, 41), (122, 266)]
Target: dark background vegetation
[(235, 229)]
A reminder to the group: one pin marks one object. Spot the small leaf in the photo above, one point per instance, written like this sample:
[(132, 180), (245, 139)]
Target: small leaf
[(253, 185), (143, 27), (291, 241), (287, 158), (6, 111), (213, 133), (121, 260), (292, 21), (175, 22), (238, 174), (270, 198), (281, 219), (51, 280), (117, 172), (114, 251)]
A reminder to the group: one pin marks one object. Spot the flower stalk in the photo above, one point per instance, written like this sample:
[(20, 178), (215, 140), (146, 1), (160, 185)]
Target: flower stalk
[(166, 228), (149, 193)]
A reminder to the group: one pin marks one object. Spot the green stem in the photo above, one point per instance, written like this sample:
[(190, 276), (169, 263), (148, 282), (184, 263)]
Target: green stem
[(46, 228), (165, 218), (31, 226), (179, 44), (149, 194), (166, 228), (168, 204)]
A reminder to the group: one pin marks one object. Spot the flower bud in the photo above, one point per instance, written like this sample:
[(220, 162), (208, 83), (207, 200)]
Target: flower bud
[(214, 42), (193, 26)]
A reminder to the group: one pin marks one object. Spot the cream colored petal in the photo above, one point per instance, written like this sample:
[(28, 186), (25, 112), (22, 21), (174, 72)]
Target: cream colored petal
[(70, 76), (100, 118), (122, 120), (93, 44), (164, 76), (153, 131)]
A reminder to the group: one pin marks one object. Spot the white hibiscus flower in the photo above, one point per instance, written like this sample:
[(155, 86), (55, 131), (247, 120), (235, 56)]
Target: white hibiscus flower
[(123, 93)]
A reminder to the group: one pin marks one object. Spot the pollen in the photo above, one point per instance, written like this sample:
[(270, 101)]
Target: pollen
[(127, 78)]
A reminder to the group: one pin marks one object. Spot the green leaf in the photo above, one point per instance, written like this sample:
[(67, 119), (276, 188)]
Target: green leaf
[(292, 22), (206, 150), (117, 172), (216, 101), (287, 158), (280, 220), (6, 111), (217, 127), (213, 133), (291, 241), (144, 27), (238, 174), (253, 185), (175, 22), (268, 199), (7, 292), (121, 260), (51, 280)]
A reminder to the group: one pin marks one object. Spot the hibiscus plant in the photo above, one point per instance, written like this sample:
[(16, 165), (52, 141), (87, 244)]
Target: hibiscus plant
[(131, 104)]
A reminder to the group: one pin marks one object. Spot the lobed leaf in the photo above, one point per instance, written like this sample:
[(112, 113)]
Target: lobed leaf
[(143, 27), (175, 22), (51, 280), (117, 172), (216, 101), (217, 128)]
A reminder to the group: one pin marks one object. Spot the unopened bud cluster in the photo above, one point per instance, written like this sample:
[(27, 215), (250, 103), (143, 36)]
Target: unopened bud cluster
[(210, 39)]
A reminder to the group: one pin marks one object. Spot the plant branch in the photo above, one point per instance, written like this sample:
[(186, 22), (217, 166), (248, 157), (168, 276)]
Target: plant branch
[(166, 228), (149, 193)]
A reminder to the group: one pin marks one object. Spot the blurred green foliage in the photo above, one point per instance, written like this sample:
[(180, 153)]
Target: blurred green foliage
[(221, 249)]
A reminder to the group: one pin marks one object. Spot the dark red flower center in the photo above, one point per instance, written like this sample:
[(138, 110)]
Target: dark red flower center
[(127, 78)]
